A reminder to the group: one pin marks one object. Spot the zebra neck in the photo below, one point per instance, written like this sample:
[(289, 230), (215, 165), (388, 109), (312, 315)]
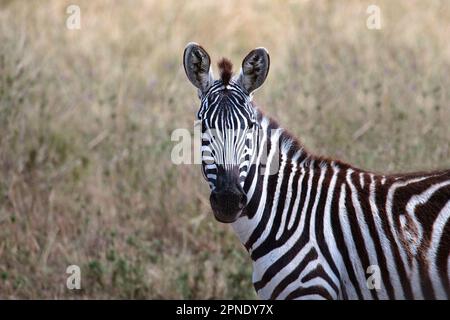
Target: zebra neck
[(279, 160)]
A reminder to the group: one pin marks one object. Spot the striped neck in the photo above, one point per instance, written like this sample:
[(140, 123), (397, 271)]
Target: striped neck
[(279, 154), (281, 160)]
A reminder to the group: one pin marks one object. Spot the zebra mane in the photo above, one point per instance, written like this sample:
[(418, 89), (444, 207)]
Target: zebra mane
[(225, 70), (290, 144)]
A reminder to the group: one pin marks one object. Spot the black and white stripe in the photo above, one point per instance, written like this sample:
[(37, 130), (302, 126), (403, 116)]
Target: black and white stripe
[(314, 228)]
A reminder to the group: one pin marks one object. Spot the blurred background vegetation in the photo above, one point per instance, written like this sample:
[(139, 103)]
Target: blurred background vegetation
[(86, 117)]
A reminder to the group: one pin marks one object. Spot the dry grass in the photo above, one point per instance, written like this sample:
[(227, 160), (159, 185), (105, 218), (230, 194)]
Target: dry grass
[(86, 117)]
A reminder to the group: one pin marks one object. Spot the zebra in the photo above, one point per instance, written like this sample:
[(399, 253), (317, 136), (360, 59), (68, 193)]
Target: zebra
[(315, 228)]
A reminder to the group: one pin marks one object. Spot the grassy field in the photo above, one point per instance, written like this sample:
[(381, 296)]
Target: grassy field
[(86, 117)]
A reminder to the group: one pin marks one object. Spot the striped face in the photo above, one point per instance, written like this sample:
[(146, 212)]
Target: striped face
[(229, 125), (229, 139)]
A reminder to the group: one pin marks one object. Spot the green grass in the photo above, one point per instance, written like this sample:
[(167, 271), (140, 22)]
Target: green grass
[(86, 118)]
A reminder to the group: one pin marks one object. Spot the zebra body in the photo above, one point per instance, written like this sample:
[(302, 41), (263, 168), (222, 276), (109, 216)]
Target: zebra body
[(315, 228)]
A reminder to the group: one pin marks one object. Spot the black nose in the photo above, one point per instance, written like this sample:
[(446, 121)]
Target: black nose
[(227, 203), (224, 197)]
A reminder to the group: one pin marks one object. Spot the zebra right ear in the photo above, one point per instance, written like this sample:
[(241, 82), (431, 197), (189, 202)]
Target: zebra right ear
[(197, 65)]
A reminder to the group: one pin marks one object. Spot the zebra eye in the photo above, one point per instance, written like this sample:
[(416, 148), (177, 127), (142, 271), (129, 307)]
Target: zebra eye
[(254, 125)]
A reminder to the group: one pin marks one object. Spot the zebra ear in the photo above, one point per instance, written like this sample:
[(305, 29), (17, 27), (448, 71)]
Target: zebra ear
[(197, 65), (255, 68)]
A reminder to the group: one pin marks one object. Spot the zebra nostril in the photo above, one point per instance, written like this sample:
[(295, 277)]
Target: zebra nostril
[(214, 196), (242, 201)]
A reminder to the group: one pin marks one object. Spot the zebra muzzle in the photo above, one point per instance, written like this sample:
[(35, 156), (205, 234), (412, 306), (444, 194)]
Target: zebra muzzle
[(227, 203)]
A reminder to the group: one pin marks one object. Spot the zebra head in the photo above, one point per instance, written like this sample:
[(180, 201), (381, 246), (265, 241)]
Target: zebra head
[(229, 124)]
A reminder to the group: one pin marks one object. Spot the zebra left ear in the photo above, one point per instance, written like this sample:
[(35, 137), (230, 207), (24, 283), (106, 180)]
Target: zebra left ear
[(255, 68)]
